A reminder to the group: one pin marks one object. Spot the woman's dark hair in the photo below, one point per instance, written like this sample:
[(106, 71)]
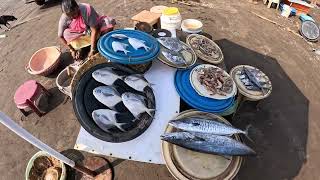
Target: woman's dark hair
[(68, 6)]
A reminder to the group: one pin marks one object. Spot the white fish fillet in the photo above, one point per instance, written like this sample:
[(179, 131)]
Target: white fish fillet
[(136, 44), (135, 104), (105, 76), (107, 95), (106, 119), (137, 82), (118, 46)]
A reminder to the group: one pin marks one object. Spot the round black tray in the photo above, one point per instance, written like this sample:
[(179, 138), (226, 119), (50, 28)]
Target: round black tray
[(84, 103)]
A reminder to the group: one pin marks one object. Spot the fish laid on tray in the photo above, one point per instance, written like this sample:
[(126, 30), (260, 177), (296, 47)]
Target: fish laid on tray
[(106, 76), (107, 119), (206, 126), (208, 143), (170, 43), (136, 104), (137, 44), (107, 95), (137, 82), (215, 80), (118, 46), (174, 57), (254, 80)]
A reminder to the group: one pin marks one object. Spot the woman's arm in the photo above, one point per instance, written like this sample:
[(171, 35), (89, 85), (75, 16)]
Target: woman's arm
[(94, 38)]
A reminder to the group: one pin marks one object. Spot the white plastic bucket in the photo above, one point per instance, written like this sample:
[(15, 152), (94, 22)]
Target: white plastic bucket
[(171, 22)]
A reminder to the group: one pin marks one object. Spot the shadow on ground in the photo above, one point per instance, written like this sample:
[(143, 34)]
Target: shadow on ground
[(279, 128), (50, 4)]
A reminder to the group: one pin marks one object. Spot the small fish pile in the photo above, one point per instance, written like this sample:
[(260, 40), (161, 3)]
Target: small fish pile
[(205, 47), (207, 136), (174, 50), (254, 80), (111, 98), (135, 43), (215, 81)]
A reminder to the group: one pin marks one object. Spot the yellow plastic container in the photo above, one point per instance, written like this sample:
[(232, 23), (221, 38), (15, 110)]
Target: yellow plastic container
[(170, 11)]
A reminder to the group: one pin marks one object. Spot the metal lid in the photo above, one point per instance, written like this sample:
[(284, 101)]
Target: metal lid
[(139, 56), (201, 45), (310, 30), (191, 97), (184, 164)]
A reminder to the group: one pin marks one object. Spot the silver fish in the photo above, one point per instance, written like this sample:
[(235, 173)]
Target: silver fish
[(119, 36), (105, 76), (136, 44), (106, 119), (171, 43), (137, 82), (107, 95), (173, 57), (206, 126), (211, 144), (118, 46), (253, 79), (135, 104)]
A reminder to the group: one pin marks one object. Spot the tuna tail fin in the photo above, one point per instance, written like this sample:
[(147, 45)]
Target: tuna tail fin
[(150, 111), (246, 132), (126, 52)]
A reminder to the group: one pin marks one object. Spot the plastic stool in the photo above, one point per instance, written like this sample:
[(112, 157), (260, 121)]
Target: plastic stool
[(272, 1), (27, 95)]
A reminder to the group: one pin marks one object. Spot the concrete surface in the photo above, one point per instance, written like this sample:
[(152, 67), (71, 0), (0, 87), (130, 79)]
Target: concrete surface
[(285, 129)]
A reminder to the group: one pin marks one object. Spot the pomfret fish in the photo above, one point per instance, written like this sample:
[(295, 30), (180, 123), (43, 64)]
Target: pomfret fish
[(119, 36), (136, 44), (171, 43), (135, 104), (106, 119), (174, 58), (107, 95), (206, 126), (118, 46), (105, 76), (212, 144), (137, 82)]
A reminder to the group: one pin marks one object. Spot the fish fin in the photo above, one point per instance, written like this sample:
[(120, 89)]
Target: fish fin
[(119, 127), (246, 132), (126, 52), (150, 111)]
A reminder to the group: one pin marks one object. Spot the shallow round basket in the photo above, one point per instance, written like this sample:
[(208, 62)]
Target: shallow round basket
[(193, 38), (191, 58), (40, 154), (44, 61), (185, 164), (84, 103), (201, 89), (250, 95)]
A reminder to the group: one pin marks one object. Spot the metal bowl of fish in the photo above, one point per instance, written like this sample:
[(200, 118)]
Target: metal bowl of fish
[(176, 53), (251, 82), (205, 48), (191, 152), (114, 103), (212, 82)]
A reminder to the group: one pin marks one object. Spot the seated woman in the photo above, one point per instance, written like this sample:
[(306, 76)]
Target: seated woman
[(81, 26)]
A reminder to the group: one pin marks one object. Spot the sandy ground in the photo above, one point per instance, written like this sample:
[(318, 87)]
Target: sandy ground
[(285, 129)]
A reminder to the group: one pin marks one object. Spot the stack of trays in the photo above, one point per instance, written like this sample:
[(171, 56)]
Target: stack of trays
[(133, 56), (187, 92)]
